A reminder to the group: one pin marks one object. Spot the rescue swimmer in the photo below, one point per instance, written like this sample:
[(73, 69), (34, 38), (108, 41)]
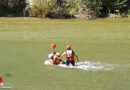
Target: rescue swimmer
[(54, 58), (70, 56)]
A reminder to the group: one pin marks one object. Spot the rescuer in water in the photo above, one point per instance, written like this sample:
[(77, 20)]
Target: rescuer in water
[(70, 54)]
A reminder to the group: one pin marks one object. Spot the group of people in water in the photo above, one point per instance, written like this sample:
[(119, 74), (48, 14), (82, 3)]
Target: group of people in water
[(55, 58)]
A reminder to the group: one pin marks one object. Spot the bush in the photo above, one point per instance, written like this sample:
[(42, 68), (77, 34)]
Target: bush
[(93, 5), (52, 8), (113, 6), (64, 8), (104, 7)]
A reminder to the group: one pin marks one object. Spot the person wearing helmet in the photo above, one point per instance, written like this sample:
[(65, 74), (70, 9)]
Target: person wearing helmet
[(52, 55), (70, 56)]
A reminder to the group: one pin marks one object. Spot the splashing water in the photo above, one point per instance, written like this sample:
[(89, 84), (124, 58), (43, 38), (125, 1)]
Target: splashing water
[(87, 65)]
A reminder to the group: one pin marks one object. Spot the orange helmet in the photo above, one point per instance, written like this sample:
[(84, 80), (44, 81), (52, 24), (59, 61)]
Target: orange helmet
[(53, 45), (68, 47)]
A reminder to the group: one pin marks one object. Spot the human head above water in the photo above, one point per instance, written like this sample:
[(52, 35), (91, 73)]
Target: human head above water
[(53, 52)]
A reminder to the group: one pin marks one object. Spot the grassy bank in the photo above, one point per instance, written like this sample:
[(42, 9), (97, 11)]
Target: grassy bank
[(25, 44)]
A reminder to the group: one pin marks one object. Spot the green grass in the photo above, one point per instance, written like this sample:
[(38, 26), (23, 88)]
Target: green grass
[(25, 44)]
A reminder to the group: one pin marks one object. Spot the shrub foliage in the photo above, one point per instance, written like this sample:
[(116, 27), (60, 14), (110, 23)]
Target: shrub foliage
[(65, 8)]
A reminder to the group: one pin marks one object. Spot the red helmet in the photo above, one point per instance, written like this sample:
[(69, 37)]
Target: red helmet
[(68, 47), (53, 45)]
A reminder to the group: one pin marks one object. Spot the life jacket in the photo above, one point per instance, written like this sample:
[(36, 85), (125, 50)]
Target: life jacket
[(70, 55), (58, 58)]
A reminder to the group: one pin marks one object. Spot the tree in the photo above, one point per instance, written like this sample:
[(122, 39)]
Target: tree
[(113, 6), (12, 7)]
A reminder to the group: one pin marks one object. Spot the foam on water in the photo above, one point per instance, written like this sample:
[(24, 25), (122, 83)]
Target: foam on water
[(87, 65)]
